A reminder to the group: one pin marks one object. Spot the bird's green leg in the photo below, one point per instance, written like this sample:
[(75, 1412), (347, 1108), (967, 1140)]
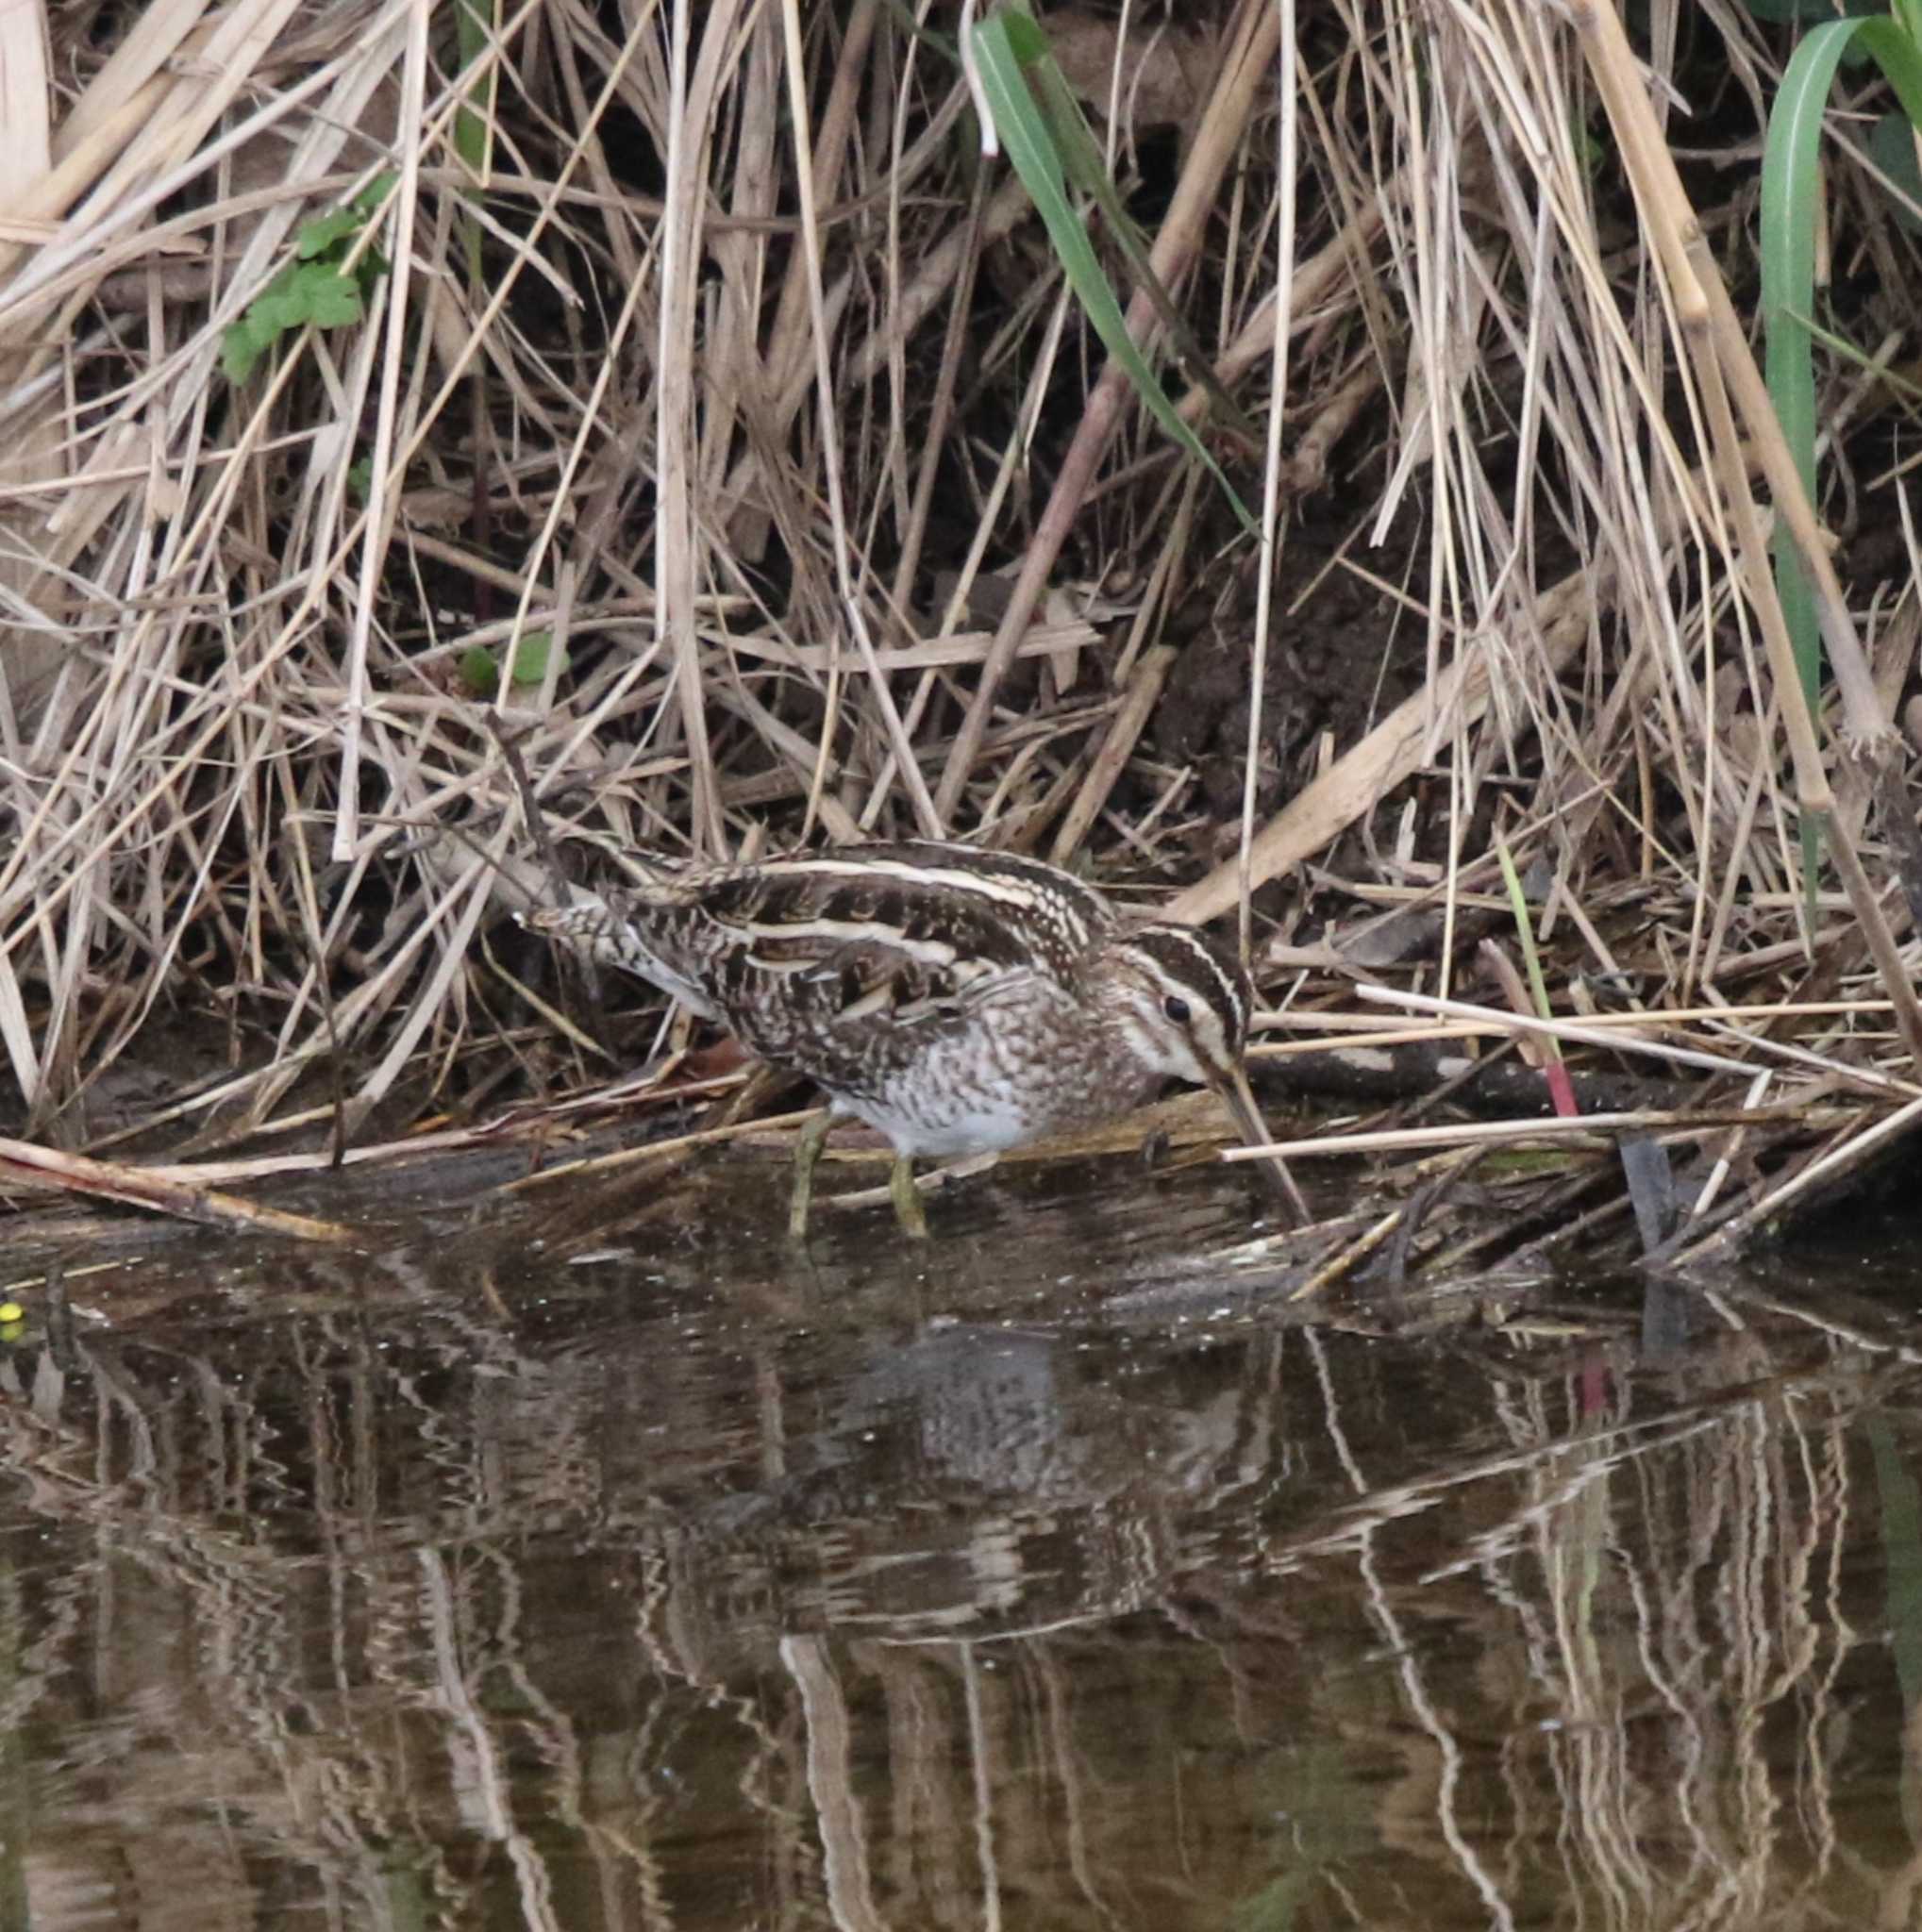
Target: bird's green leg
[(914, 1217), (807, 1152)]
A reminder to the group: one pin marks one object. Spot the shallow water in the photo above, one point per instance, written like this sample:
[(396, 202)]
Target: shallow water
[(603, 1564)]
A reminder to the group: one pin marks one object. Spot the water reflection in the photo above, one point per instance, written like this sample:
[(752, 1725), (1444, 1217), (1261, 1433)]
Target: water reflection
[(1037, 1582)]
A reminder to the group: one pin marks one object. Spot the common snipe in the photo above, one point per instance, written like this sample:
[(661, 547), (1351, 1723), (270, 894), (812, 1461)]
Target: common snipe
[(960, 1001)]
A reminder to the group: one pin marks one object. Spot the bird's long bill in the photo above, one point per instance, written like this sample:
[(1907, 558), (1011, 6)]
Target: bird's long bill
[(1239, 1098)]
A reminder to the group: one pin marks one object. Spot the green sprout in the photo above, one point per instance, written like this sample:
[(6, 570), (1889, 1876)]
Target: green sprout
[(326, 284), (479, 668)]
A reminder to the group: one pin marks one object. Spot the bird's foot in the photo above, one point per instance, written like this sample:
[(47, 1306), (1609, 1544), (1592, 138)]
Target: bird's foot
[(807, 1155), (907, 1207)]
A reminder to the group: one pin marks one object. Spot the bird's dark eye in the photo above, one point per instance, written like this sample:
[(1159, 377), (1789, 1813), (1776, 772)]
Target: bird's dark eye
[(1176, 1010)]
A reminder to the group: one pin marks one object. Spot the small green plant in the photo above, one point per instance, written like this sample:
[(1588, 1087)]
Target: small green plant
[(325, 283), (480, 668)]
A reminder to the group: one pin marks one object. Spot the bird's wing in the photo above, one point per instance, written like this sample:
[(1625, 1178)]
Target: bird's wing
[(832, 970), (910, 930)]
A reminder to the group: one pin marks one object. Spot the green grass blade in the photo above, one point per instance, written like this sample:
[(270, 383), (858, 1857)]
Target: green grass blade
[(1525, 935), (1845, 351), (1791, 183), (1898, 52), (1085, 166), (1002, 46), (474, 120), (1790, 187)]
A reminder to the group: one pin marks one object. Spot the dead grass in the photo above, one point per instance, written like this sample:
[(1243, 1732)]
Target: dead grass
[(748, 453)]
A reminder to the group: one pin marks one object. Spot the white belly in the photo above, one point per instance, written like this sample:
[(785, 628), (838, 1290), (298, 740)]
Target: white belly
[(957, 1100), (919, 1121)]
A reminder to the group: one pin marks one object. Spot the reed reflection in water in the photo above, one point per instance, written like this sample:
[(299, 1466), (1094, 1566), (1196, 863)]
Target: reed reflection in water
[(461, 1589)]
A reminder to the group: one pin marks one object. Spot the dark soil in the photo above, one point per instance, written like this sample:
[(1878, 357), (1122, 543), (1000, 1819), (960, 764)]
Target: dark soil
[(1342, 653)]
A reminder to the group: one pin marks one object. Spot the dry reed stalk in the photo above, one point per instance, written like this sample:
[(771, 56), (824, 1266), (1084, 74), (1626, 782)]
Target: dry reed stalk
[(26, 1165)]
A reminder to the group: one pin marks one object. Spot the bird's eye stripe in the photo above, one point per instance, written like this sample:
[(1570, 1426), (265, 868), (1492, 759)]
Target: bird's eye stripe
[(1188, 965)]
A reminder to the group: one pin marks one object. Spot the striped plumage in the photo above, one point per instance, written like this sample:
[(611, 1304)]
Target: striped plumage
[(958, 1000)]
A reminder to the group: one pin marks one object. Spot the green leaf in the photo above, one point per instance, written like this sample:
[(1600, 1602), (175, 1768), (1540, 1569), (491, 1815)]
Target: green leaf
[(312, 287), (372, 198), (998, 45), (324, 231), (532, 655), (328, 298), (480, 671), (278, 306), (238, 352), (257, 331), (479, 668), (1790, 186), (1897, 50), (329, 233), (1025, 39), (1081, 156)]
